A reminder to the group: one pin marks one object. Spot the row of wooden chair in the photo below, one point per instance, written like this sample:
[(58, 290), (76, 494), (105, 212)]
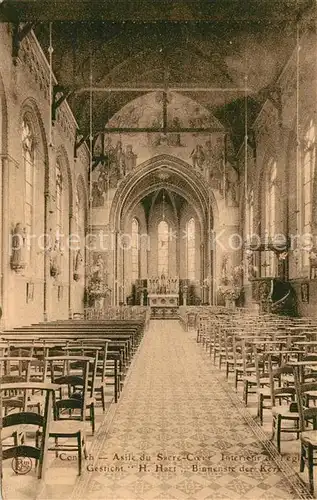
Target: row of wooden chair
[(51, 376), (263, 354)]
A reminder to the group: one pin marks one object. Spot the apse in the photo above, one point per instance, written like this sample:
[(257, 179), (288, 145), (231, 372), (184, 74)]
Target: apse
[(167, 226)]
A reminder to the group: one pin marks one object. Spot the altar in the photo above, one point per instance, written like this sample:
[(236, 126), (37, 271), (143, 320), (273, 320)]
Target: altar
[(163, 297)]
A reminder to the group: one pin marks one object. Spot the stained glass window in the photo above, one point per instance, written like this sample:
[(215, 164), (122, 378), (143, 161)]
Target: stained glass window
[(135, 249), (162, 253), (191, 254)]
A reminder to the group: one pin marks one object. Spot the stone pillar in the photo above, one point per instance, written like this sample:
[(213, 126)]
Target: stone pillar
[(115, 270), (5, 245), (185, 295), (49, 225), (70, 267)]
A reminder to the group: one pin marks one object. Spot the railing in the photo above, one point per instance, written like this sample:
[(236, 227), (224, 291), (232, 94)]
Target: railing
[(274, 296), (279, 303), (118, 312), (189, 315)]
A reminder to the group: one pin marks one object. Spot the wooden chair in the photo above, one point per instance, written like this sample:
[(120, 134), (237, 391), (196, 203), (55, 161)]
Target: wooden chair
[(308, 436), (23, 420), (244, 366), (70, 408), (91, 352), (18, 369), (284, 407), (100, 381), (226, 354), (263, 382), (234, 358)]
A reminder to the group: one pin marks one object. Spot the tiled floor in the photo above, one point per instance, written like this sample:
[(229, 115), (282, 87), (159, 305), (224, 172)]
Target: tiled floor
[(179, 431)]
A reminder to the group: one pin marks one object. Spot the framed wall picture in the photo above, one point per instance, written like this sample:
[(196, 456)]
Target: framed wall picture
[(305, 292)]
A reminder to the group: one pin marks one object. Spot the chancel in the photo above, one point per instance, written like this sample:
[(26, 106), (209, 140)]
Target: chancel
[(158, 252), (163, 296)]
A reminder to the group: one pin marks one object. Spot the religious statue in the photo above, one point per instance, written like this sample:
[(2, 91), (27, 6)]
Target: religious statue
[(18, 248), (163, 284), (208, 163), (214, 164), (78, 265), (97, 191), (55, 260), (97, 286), (225, 269), (130, 159), (313, 264), (231, 186), (120, 159), (251, 269), (198, 157), (98, 268)]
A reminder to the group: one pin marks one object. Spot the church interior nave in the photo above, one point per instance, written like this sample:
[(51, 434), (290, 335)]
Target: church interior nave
[(158, 249)]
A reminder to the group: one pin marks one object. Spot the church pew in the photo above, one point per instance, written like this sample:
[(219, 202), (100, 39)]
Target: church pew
[(121, 348), (118, 343), (115, 371), (121, 340), (89, 329)]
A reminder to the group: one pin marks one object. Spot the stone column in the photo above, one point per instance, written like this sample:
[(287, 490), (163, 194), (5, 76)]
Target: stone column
[(5, 245), (70, 266), (49, 229)]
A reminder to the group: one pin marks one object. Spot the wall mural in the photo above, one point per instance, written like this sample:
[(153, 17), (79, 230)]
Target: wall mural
[(118, 161), (206, 152), (208, 159)]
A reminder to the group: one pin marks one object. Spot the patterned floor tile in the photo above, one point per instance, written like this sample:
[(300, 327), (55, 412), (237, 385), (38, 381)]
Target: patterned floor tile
[(209, 448), (178, 432)]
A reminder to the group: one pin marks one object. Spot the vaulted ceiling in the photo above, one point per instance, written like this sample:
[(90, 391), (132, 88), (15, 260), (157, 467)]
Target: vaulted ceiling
[(203, 48)]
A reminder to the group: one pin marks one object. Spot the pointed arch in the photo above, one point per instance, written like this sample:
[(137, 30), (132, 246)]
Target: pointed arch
[(188, 184), (30, 108)]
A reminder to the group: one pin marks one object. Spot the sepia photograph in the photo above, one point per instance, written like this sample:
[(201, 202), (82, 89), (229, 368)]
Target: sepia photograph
[(158, 249)]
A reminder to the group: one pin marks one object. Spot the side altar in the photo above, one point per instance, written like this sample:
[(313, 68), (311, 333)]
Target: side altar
[(163, 297)]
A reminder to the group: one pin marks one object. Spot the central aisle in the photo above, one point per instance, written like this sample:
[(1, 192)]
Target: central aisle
[(179, 433)]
